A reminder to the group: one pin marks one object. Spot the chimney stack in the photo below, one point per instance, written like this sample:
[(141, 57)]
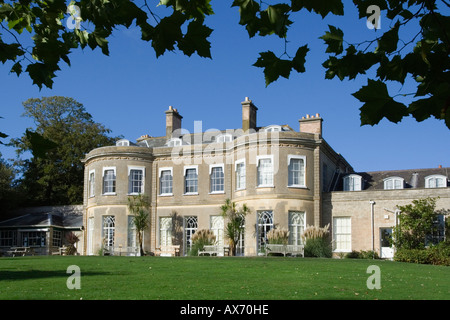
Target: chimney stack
[(311, 124), (173, 121), (248, 115)]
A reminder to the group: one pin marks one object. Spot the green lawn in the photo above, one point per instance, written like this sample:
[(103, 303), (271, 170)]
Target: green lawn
[(210, 278)]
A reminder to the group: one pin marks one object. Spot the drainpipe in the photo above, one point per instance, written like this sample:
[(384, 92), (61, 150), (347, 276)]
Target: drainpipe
[(372, 203)]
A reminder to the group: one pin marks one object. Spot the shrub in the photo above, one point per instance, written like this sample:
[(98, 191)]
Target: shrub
[(201, 238), (435, 255), (318, 247), (316, 241), (278, 236), (369, 254)]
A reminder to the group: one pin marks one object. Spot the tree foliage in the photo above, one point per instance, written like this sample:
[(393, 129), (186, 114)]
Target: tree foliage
[(139, 206), (64, 133), (235, 220), (417, 221), (421, 56)]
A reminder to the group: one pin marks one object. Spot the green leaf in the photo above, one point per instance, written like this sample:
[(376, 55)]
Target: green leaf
[(39, 145), (378, 104), (196, 40), (298, 63), (167, 33), (322, 7), (388, 42), (334, 39), (274, 67), (41, 74)]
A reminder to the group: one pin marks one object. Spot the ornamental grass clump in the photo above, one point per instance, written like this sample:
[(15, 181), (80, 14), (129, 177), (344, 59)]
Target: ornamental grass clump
[(201, 238), (317, 242), (278, 236)]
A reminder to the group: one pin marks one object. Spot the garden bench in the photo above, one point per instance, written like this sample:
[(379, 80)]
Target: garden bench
[(61, 251), (173, 250), (214, 250), (284, 249), (20, 251)]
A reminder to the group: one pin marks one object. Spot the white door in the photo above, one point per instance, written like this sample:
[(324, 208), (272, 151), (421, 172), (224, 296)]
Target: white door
[(387, 251)]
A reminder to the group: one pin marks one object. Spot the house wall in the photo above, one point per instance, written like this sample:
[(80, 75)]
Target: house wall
[(280, 198), (356, 204)]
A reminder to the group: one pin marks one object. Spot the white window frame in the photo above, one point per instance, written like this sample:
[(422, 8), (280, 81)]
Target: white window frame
[(186, 168), (435, 177), (273, 128), (296, 229), (142, 181), (264, 185), (175, 142), (341, 237), (211, 167), (297, 157), (103, 181), (160, 171), (351, 187), (91, 183), (393, 180), (123, 143), (225, 137), (240, 178)]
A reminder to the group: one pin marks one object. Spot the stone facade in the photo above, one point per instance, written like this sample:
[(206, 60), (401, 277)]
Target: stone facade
[(287, 178)]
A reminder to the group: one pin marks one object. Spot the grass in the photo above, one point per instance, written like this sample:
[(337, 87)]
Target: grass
[(216, 278)]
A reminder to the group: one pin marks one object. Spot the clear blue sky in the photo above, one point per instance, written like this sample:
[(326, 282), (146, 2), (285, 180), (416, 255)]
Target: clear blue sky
[(129, 91)]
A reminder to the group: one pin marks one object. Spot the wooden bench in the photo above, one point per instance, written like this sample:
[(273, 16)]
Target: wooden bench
[(61, 251), (214, 250), (173, 251), (285, 249), (22, 251)]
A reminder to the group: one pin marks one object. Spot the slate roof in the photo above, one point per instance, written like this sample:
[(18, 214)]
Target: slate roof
[(414, 178), (44, 220)]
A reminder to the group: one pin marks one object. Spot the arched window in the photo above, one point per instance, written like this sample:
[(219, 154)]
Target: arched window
[(436, 181), (393, 183), (353, 182), (174, 142), (226, 137)]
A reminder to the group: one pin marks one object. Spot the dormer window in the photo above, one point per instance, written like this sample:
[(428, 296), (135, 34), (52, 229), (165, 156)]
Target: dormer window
[(436, 181), (174, 142), (353, 182), (227, 137), (123, 143), (393, 183), (273, 128)]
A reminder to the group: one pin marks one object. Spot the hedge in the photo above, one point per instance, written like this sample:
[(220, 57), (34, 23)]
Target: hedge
[(436, 255)]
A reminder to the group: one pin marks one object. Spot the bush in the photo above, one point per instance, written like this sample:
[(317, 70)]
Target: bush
[(278, 236), (318, 247), (200, 239), (369, 254), (435, 255)]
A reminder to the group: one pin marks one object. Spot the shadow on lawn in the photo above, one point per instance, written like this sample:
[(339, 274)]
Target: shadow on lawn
[(15, 275)]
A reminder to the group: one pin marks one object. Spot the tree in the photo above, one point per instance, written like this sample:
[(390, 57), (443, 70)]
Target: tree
[(7, 189), (416, 222), (422, 55), (64, 133), (139, 206), (235, 220)]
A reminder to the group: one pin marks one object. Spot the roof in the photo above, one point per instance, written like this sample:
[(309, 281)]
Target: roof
[(44, 220), (413, 178)]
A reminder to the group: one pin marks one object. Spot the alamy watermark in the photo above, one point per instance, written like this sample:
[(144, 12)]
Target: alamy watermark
[(374, 20), (74, 21), (74, 280), (374, 280)]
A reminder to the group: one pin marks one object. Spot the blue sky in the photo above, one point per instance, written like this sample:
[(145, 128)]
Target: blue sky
[(129, 91)]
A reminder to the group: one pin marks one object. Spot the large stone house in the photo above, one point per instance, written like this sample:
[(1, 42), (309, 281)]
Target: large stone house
[(288, 178)]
